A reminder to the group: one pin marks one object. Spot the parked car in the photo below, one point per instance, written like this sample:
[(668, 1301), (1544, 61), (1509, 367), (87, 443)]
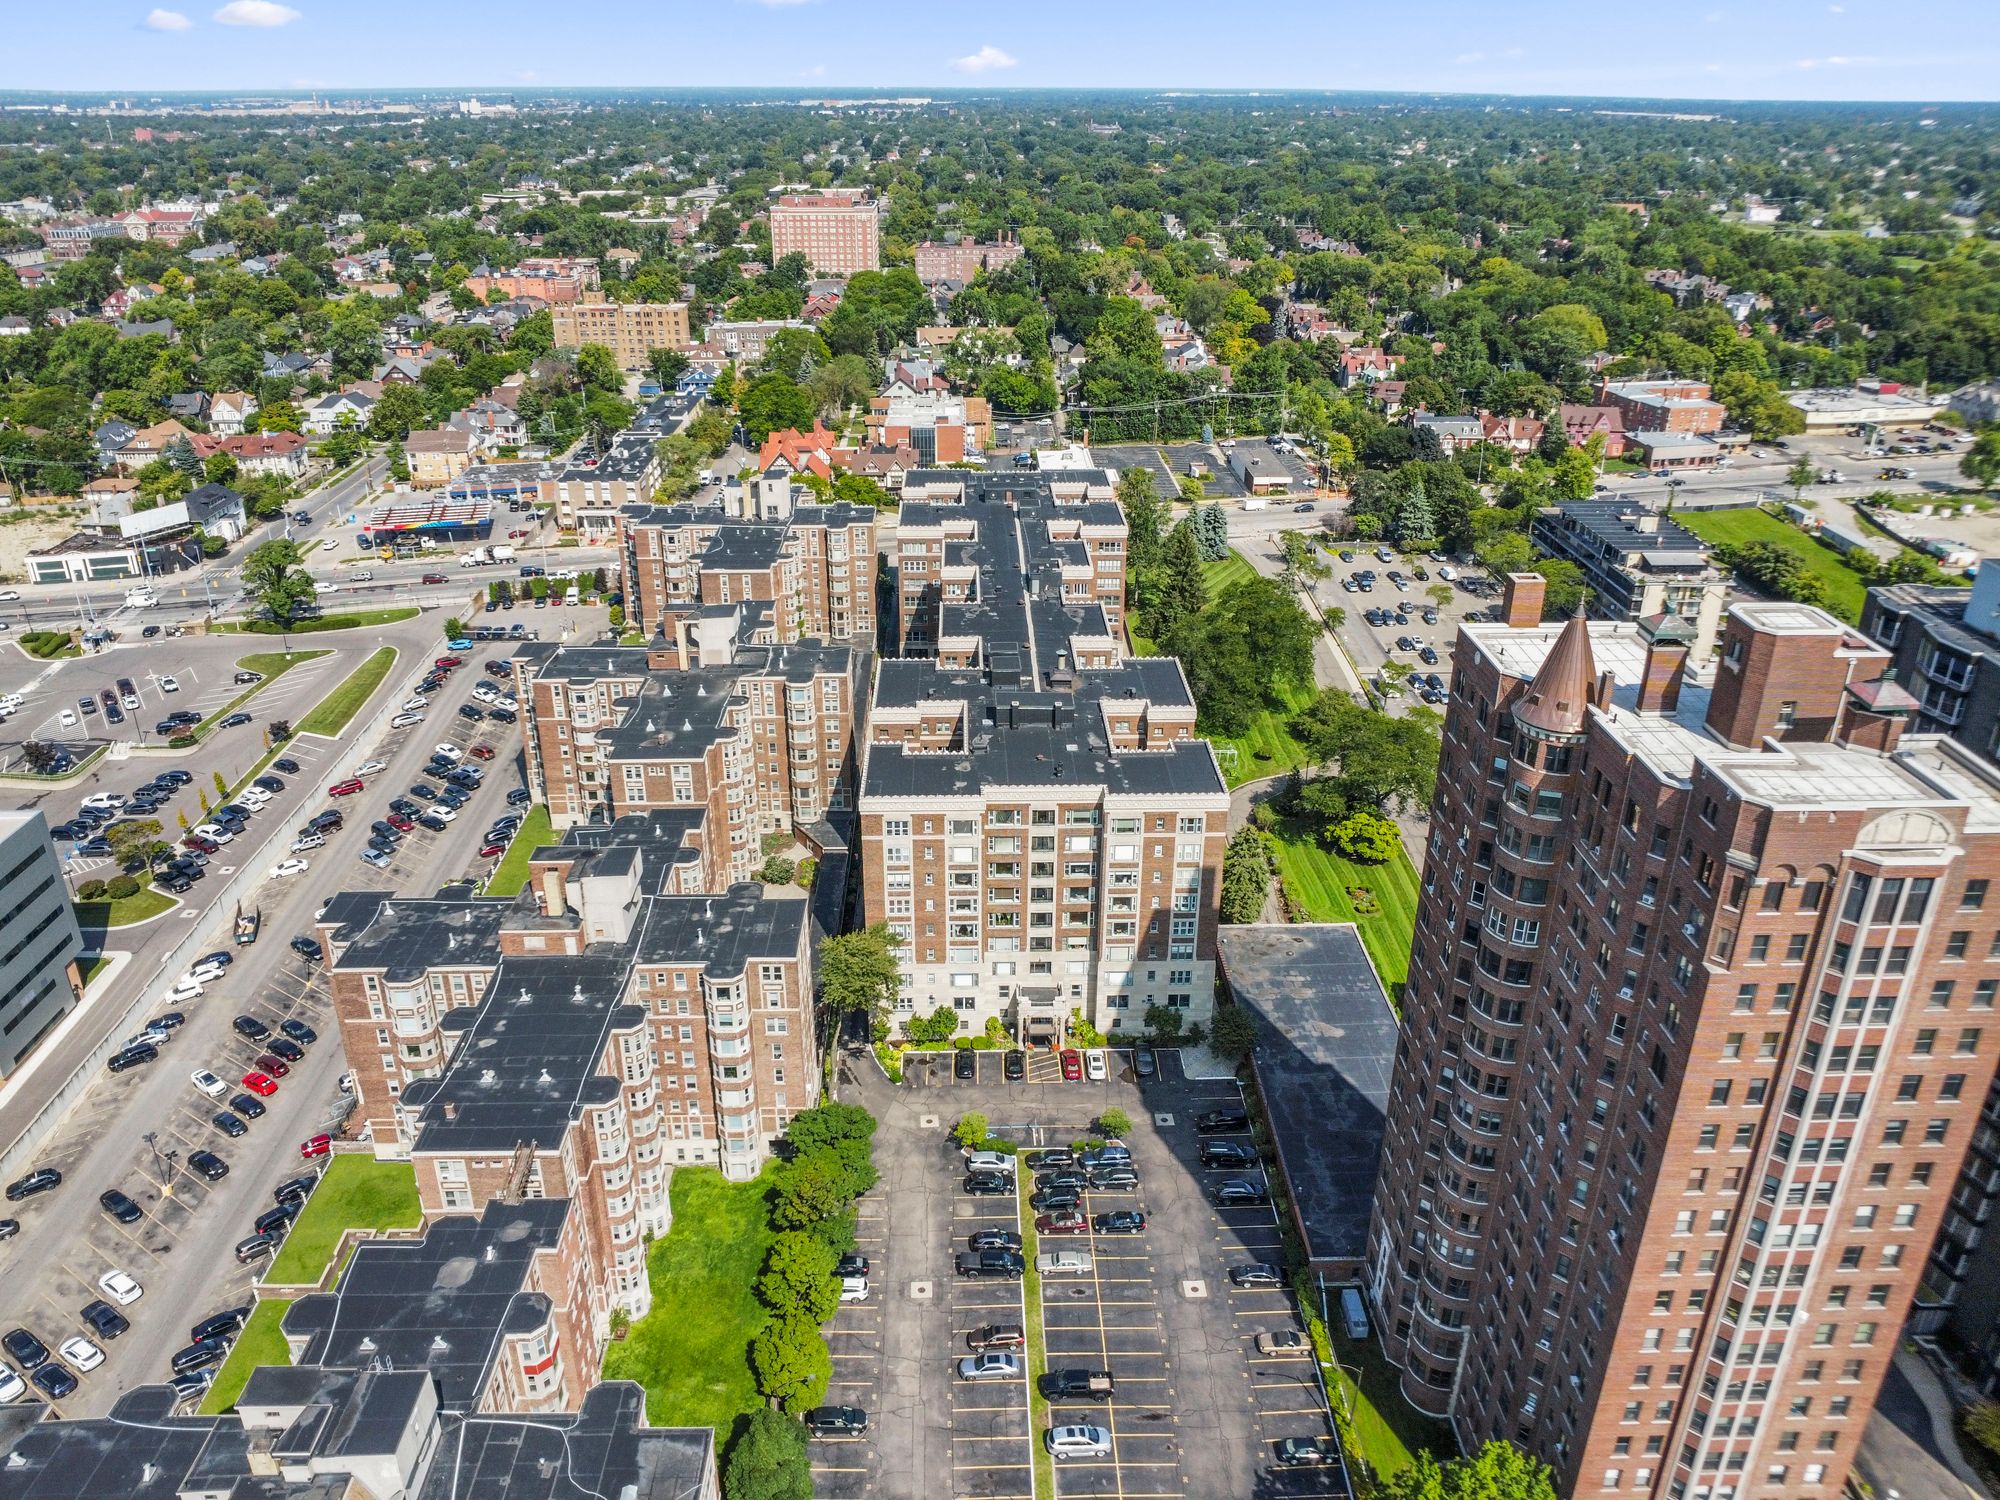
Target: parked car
[(1214, 1120), (120, 1207), (992, 1365), (1240, 1192), (836, 1421), (1078, 1440), (991, 1336), (1303, 1453), (1256, 1274), (1007, 1264), (994, 1239)]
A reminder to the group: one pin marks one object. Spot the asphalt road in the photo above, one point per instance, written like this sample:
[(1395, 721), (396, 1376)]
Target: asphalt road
[(181, 1250)]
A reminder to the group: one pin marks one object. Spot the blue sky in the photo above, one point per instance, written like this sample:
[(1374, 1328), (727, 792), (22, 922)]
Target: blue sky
[(1772, 49)]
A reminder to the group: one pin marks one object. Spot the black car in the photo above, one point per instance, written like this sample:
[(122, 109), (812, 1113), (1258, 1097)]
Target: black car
[(466, 777), (251, 1027), (211, 1166), (24, 1348), (295, 1189), (246, 677), (1211, 1121), (323, 822), (964, 1064), (249, 1106), (106, 1321), (234, 720), (431, 821), (851, 1265), (502, 715), (987, 1185), (1015, 1066), (306, 947), (1114, 1179), (1048, 1200), (1304, 1453), (520, 797), (424, 792), (1144, 1063), (284, 1047), (1004, 1263), (120, 1207), (1055, 1156), (1256, 1273), (228, 1124), (467, 711), (299, 1032), (405, 806), (995, 1239), (1078, 1385), (275, 1220), (836, 1421), (269, 783), (221, 1325), (1063, 1179), (286, 764), (1240, 1192), (54, 1381), (1220, 1156), (196, 1355), (1123, 1221), (41, 1180)]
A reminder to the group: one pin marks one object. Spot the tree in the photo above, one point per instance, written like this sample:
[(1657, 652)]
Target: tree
[(597, 369), (1981, 461), (769, 1461), (1211, 531), (1574, 475), (941, 1025), (1178, 589), (859, 973), (1498, 1471), (1145, 517), (971, 1129), (1304, 563), (279, 587), (1114, 1122), (1232, 1034), (773, 403), (1163, 1022), (1799, 475), (666, 365), (811, 1188), (1982, 1425), (798, 1275), (400, 408), (1365, 837), (791, 1362), (181, 455), (828, 1127), (1246, 876), (129, 840), (1377, 759)]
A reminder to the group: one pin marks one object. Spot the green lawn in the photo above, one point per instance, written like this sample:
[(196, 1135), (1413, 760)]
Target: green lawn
[(1844, 589), (1388, 1431), (512, 871), (261, 1343), (332, 713), (357, 1192), (273, 665), (355, 620), (1318, 881), (95, 915), (692, 1351), (1266, 747), (1038, 1353)]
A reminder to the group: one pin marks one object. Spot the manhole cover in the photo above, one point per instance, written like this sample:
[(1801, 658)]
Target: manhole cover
[(1194, 1291), (928, 1122), (920, 1291), (1163, 1118)]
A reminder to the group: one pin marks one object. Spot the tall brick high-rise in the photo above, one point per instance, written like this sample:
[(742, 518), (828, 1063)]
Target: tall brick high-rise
[(1699, 1024)]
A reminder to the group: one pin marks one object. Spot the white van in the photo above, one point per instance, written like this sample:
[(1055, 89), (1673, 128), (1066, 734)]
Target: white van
[(1448, 573), (1064, 1263), (1353, 1312), (854, 1289)]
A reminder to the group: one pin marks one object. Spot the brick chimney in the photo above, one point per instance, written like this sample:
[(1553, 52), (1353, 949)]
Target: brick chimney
[(1875, 713), (1666, 663), (1521, 605)]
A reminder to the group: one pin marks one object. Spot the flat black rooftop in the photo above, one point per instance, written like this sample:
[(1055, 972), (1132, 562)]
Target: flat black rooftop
[(441, 1303), (604, 1450), (1326, 1046)]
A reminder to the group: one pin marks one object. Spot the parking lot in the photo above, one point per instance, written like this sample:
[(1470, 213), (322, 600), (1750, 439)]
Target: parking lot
[(1197, 1409)]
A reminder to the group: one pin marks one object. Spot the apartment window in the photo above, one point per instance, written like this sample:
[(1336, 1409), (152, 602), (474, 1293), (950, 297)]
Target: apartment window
[(1955, 945), (1973, 897)]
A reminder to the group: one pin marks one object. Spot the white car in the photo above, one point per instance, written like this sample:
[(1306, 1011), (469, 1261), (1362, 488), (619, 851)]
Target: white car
[(216, 833), (439, 810), (370, 767), (405, 721), (288, 867), (203, 974), (12, 1387), (326, 588), (854, 1289), (416, 704), (1093, 1065), (120, 1288), (307, 841), (108, 801), (67, 718), (81, 1355), (186, 988), (169, 683), (208, 1083), (329, 544), (8, 596), (449, 751)]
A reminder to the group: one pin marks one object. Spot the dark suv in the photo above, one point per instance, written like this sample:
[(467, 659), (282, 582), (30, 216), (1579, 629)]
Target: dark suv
[(41, 1180), (1240, 1192), (1216, 1121), (991, 1263), (1227, 1155)]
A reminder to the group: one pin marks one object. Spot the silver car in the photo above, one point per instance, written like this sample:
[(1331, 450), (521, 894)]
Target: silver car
[(1079, 1441), (993, 1365)]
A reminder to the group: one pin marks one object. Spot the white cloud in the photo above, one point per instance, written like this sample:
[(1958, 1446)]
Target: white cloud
[(167, 20), (265, 13), (1838, 10), (985, 60), (1809, 63), (817, 70), (1464, 58)]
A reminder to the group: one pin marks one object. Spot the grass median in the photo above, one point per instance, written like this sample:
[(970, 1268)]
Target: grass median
[(337, 709), (270, 665), (512, 871), (1038, 1353), (356, 620), (93, 916), (692, 1351), (262, 1342), (357, 1192)]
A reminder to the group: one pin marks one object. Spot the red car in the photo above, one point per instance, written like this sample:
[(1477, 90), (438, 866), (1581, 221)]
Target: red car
[(202, 845), (448, 662), (1072, 1065), (259, 1085), (272, 1064), (319, 1145), (492, 851), (345, 788), (398, 822), (1063, 1221), (435, 578), (482, 752)]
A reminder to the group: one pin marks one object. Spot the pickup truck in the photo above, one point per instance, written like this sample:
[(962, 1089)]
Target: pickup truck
[(247, 923), (1006, 1263), (1079, 1385)]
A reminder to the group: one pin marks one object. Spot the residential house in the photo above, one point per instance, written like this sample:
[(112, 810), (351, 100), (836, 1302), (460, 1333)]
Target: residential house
[(1388, 395), (230, 413), (188, 406), (494, 424), (109, 438), (886, 464), (296, 366), (281, 454), (912, 377), (1453, 433), (148, 444), (789, 451), (1187, 354), (1516, 434), (1361, 365), (327, 415), (1582, 423), (14, 326), (438, 457)]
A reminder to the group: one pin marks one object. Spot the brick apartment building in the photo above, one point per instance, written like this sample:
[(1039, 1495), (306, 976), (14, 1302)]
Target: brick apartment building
[(840, 233), (1039, 821), (589, 494), (814, 565), (1698, 1028), (1677, 406), (942, 428), (755, 738), (555, 280), (961, 260), (630, 330), (580, 1040)]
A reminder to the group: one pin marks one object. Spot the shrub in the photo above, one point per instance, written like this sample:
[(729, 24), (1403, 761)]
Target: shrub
[(1163, 1023), (971, 1129), (121, 887), (1365, 838), (1115, 1122), (941, 1025), (1082, 1033), (1235, 1034), (808, 871), (777, 870), (90, 890), (180, 742)]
